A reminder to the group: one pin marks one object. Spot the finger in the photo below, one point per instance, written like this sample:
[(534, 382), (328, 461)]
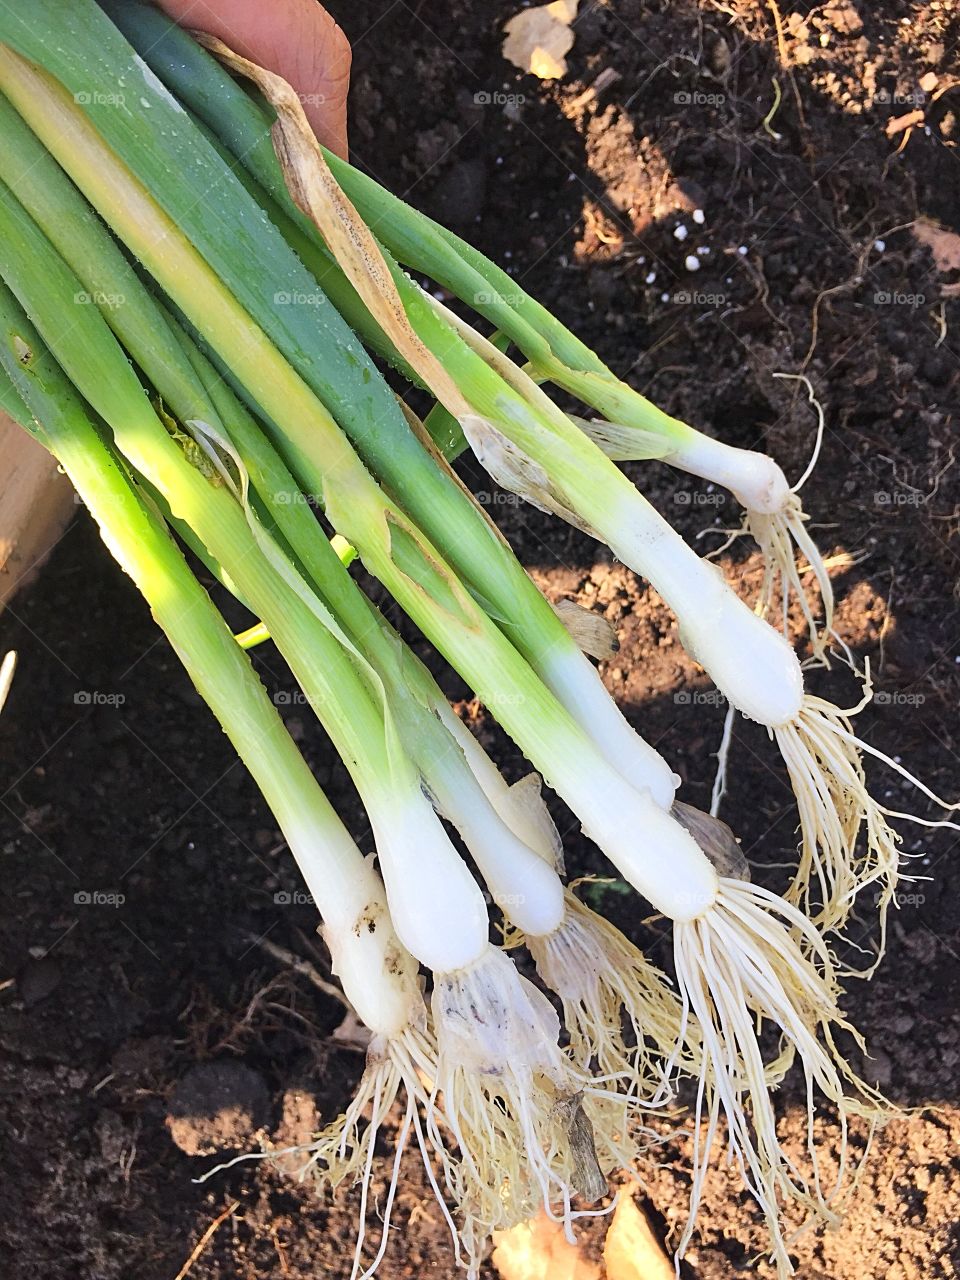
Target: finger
[(297, 39)]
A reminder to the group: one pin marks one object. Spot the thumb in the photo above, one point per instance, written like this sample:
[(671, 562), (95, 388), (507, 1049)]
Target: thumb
[(296, 39)]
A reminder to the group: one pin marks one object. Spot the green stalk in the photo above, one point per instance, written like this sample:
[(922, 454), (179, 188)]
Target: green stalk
[(416, 700), (193, 391), (421, 244), (389, 544), (433, 499), (83, 344), (51, 410)]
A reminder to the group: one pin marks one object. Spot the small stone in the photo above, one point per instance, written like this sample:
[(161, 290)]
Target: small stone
[(699, 217), (680, 233), (878, 1069), (38, 979), (692, 262)]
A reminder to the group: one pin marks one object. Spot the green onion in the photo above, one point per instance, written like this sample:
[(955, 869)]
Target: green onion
[(381, 435), (633, 427), (388, 543), (474, 983), (378, 975), (232, 297), (532, 448)]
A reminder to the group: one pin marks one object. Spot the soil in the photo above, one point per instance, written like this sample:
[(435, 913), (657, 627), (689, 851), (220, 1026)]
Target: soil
[(142, 1025)]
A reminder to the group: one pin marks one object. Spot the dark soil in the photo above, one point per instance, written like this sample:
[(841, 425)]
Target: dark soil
[(140, 1023)]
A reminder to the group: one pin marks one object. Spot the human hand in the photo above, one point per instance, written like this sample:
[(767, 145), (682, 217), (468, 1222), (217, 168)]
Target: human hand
[(296, 39)]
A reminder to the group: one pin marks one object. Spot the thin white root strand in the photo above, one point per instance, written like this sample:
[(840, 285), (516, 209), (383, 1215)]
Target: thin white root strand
[(528, 1125), (399, 1067), (846, 841), (779, 536), (723, 760), (602, 979), (753, 959)]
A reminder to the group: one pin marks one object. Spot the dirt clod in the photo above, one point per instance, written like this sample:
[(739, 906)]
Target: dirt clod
[(217, 1106)]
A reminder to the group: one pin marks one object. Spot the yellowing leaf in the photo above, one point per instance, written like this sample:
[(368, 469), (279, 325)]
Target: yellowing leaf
[(538, 39)]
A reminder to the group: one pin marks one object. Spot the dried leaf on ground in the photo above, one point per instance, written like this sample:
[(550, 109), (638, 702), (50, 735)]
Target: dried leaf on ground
[(539, 39), (538, 1250), (631, 1251)]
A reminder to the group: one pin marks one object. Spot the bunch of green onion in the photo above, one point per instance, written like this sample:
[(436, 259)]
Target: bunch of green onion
[(193, 294)]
